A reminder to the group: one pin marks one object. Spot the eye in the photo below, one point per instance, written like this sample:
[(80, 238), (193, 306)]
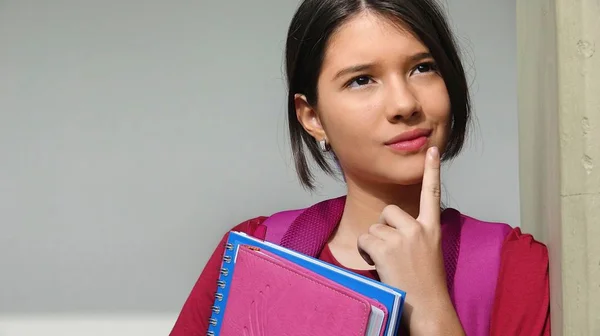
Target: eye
[(425, 67), (359, 81)]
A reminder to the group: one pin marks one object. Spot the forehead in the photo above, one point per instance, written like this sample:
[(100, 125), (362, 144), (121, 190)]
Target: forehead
[(368, 37)]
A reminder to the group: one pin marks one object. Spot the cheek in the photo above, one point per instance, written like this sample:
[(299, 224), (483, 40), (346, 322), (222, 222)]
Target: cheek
[(436, 107), (349, 126), (436, 102), (348, 121)]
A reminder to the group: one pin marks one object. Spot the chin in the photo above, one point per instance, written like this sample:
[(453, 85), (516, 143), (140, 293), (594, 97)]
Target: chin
[(409, 172), (399, 171), (400, 178), (408, 180)]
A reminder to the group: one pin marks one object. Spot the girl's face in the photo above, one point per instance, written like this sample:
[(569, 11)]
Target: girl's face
[(381, 102)]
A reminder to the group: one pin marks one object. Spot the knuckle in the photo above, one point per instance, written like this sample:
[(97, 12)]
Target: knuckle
[(412, 231), (363, 240), (436, 236), (385, 250), (396, 240), (395, 237), (390, 207), (374, 228), (435, 190), (389, 210), (390, 250)]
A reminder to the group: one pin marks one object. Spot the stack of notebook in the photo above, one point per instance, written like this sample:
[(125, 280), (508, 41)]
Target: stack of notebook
[(265, 289)]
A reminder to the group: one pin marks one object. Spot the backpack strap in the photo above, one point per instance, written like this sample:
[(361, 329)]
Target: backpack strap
[(279, 223), (312, 227), (451, 242), (477, 272)]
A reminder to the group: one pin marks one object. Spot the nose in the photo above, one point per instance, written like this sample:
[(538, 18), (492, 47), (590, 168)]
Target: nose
[(403, 104)]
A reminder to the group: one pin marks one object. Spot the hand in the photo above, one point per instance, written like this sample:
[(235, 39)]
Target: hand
[(407, 254)]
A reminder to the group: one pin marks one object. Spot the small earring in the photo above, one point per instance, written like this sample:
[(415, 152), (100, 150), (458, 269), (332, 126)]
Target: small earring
[(324, 146)]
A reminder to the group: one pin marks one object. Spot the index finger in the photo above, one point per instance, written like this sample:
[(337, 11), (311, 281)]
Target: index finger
[(429, 210)]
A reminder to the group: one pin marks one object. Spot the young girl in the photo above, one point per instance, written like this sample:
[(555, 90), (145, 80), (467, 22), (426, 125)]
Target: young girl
[(377, 89)]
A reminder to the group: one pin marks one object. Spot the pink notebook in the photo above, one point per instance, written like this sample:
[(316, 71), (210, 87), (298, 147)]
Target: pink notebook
[(271, 296)]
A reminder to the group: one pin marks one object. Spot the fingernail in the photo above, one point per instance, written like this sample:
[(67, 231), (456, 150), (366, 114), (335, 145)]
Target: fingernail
[(433, 152)]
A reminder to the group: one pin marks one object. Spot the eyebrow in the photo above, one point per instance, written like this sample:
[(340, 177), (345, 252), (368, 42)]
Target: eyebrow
[(420, 56), (362, 67), (353, 69)]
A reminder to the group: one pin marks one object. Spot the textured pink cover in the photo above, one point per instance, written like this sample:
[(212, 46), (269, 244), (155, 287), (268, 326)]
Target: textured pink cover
[(272, 296)]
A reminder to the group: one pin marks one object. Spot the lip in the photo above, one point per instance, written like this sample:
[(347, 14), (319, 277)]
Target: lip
[(409, 136)]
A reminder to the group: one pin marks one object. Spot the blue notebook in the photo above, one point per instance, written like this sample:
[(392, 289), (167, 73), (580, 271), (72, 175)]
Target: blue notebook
[(392, 298)]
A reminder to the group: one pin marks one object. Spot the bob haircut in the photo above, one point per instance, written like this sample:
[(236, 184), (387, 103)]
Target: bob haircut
[(309, 32)]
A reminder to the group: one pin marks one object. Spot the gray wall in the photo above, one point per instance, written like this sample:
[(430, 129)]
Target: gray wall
[(134, 134)]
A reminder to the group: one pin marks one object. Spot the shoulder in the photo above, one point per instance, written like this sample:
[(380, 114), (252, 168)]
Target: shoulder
[(470, 220), (257, 226), (249, 226), (513, 239), (523, 249), (475, 229), (519, 253)]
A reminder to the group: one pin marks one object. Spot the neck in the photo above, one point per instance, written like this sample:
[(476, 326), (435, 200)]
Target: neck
[(365, 202)]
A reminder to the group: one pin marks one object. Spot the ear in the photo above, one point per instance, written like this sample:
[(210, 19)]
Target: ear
[(308, 117)]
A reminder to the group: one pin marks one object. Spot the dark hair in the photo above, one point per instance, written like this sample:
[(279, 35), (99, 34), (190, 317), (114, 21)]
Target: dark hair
[(308, 35)]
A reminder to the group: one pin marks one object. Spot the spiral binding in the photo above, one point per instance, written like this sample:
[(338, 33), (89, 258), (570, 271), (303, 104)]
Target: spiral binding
[(220, 295)]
